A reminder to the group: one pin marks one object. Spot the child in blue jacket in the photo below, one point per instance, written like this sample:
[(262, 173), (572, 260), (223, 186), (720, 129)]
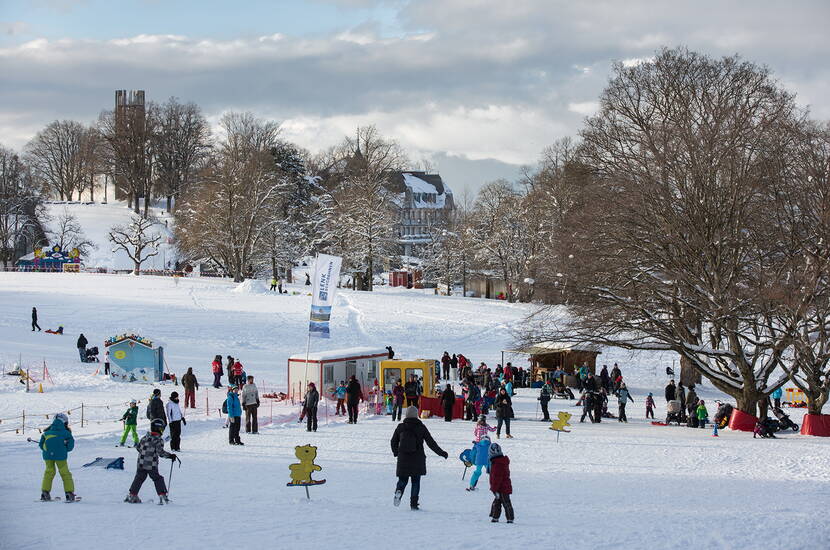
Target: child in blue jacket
[(481, 459), (234, 415), (56, 443)]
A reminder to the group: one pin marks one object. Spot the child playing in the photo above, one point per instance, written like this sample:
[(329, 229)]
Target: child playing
[(702, 414), (481, 429), (387, 399), (130, 423), (56, 443), (340, 394), (650, 406), (150, 448), (500, 484), (481, 459)]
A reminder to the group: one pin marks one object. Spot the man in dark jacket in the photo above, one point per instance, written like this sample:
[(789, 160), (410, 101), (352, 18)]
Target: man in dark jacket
[(34, 319), (190, 386), (591, 383), (411, 391), (448, 401), (312, 398), (408, 447), (544, 398), (587, 406), (671, 391), (353, 396), (604, 378), (82, 342), (680, 395), (445, 365), (155, 409)]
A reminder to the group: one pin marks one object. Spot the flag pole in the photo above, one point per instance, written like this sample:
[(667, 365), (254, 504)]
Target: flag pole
[(308, 337)]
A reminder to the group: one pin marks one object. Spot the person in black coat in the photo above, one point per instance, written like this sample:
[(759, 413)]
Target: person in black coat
[(353, 396), (411, 390), (34, 320), (591, 383), (408, 447), (82, 342), (155, 408), (604, 378), (671, 391), (504, 412), (448, 401)]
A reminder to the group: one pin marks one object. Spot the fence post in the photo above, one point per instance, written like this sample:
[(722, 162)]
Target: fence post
[(27, 380), (82, 415), (207, 402), (24, 422), (272, 410)]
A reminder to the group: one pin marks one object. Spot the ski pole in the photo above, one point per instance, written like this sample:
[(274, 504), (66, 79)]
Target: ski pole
[(170, 477), (465, 472)]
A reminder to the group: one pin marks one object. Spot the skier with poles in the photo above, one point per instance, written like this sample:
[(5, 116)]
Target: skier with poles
[(150, 448), (56, 443)]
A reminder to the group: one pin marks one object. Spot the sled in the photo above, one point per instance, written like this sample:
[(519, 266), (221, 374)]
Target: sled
[(658, 423)]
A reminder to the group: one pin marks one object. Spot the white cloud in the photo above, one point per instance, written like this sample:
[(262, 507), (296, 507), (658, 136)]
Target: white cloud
[(584, 108)]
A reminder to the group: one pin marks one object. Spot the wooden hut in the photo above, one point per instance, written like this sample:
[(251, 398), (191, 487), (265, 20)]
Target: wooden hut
[(547, 357)]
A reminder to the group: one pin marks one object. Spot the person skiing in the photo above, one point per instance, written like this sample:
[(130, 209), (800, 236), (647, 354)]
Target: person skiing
[(217, 371), (250, 402), (130, 419), (481, 461), (56, 443), (354, 395), (81, 344), (445, 365), (671, 391), (340, 395), (397, 400), (500, 484), (545, 395), (312, 398), (623, 396), (155, 408), (150, 448), (190, 385), (650, 406), (408, 447), (234, 415), (448, 402), (504, 412), (176, 419), (34, 320)]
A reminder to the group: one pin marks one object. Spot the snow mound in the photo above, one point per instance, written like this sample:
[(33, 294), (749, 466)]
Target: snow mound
[(251, 286)]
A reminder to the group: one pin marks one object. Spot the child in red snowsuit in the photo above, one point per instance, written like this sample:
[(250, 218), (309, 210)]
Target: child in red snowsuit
[(500, 484)]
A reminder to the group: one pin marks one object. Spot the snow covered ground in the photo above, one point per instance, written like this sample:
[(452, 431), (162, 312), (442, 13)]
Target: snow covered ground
[(606, 485)]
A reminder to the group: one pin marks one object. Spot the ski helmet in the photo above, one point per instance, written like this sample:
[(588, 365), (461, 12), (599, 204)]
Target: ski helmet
[(62, 417), (157, 425), (133, 401)]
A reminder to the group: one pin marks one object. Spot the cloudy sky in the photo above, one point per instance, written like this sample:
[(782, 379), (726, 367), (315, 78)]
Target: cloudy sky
[(479, 87)]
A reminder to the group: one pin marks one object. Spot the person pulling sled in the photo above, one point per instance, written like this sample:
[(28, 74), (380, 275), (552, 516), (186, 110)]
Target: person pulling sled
[(150, 448)]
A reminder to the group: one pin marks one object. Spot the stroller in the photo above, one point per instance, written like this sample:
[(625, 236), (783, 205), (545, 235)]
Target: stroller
[(674, 412), (784, 419), (91, 355), (723, 415), (766, 428)]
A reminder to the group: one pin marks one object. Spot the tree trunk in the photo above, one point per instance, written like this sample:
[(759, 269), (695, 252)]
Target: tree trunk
[(92, 188), (688, 375), (169, 203), (137, 268), (370, 271), (136, 208), (146, 204), (274, 274)]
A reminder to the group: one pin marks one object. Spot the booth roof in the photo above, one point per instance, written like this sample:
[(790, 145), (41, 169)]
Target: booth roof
[(338, 354), (543, 348)]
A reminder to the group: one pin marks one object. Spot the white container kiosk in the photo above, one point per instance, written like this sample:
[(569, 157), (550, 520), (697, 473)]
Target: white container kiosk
[(327, 368)]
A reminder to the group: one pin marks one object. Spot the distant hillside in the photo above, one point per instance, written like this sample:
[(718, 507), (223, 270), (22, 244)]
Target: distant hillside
[(96, 220)]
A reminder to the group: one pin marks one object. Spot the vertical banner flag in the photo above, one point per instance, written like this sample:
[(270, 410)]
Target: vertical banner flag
[(326, 274)]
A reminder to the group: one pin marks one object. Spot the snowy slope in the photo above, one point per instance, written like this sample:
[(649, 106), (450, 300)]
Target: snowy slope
[(608, 486), (97, 220)]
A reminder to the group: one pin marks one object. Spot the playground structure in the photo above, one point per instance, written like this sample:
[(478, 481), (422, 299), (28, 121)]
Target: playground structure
[(327, 368), (52, 259), (133, 359)]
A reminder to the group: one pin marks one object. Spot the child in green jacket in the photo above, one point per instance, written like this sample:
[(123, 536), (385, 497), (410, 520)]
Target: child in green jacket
[(702, 414), (130, 421), (56, 443)]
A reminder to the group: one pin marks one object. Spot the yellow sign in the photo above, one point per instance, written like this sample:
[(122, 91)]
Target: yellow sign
[(301, 472), (120, 354), (562, 423)]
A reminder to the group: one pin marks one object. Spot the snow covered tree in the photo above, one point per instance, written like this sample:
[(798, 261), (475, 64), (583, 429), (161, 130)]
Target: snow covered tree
[(137, 240), (69, 234), (673, 247), (21, 206), (225, 215), (181, 142)]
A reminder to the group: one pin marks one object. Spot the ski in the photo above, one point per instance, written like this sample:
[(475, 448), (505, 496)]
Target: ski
[(77, 499), (53, 499)]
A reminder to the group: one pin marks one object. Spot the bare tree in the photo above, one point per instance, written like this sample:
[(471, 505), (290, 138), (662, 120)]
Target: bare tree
[(58, 158), (20, 206), (137, 240), (672, 248), (181, 142), (68, 234)]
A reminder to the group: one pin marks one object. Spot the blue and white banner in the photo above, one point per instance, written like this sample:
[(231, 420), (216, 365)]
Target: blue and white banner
[(324, 286)]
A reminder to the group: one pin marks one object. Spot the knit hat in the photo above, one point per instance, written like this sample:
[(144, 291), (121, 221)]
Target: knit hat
[(174, 395), (495, 450), (156, 391), (411, 412), (62, 417)]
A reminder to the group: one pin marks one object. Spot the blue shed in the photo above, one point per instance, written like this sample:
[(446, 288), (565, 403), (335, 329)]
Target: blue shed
[(133, 359)]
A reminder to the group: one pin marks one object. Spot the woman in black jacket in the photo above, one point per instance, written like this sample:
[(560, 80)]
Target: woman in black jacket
[(408, 446), (504, 411), (448, 401)]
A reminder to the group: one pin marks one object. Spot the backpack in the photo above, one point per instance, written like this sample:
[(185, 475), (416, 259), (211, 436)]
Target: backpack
[(225, 406)]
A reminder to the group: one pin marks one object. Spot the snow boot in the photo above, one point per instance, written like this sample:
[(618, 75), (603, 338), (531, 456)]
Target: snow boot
[(510, 521), (413, 504), (163, 499), (397, 500), (70, 496), (133, 499), (45, 496), (494, 520)]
